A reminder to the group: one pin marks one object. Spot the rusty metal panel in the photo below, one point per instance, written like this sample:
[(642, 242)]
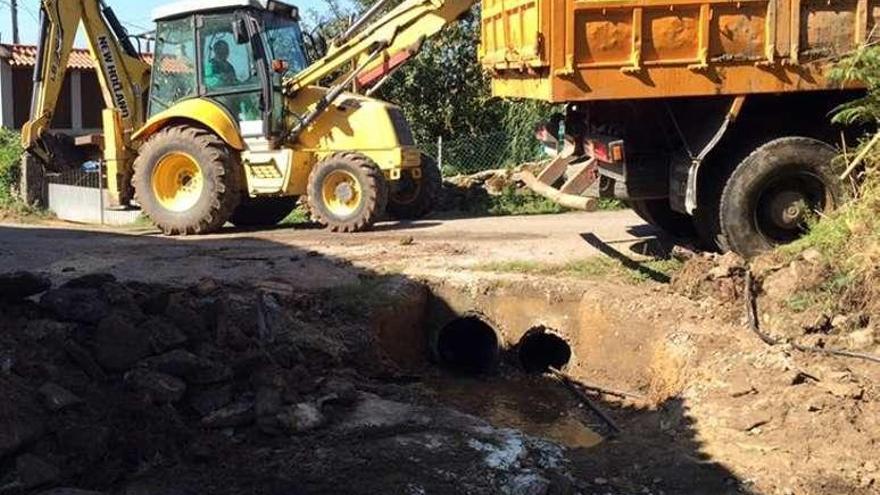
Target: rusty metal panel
[(611, 49), (512, 34)]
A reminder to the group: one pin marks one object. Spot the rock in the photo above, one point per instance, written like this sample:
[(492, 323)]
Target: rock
[(812, 255), (159, 387), (90, 281), (84, 359), (164, 335), (79, 305), (38, 330), (840, 322), (268, 403), (375, 412), (119, 344), (192, 368), (156, 487), (727, 265), (301, 418), (528, 484), (32, 471), (239, 413), (69, 491), (206, 286), (185, 317), (16, 286), (21, 420), (843, 390), (83, 441), (207, 401), (862, 339), (56, 397), (339, 392)]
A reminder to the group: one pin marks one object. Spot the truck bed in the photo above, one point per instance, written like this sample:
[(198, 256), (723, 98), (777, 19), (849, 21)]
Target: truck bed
[(580, 50)]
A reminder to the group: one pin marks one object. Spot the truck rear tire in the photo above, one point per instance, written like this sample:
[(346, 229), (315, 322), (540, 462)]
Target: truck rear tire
[(347, 192), (412, 199), (771, 194), (187, 180), (263, 211), (658, 213)]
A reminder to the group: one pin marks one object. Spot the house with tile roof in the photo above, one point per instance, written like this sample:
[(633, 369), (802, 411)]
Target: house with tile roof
[(79, 105)]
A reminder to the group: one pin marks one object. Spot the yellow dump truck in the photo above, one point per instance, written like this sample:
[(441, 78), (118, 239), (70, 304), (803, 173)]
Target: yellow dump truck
[(709, 117)]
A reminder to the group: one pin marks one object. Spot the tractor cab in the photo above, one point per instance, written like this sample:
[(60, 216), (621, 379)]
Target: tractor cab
[(232, 52)]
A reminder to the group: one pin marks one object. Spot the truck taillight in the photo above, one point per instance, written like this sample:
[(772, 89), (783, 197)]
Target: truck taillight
[(605, 151)]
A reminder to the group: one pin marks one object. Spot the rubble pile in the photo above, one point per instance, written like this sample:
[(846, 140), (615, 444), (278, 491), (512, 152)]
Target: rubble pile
[(137, 389)]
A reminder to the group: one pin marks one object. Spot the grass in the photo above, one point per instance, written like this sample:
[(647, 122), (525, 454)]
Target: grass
[(513, 201), (589, 268), (356, 298), (299, 216)]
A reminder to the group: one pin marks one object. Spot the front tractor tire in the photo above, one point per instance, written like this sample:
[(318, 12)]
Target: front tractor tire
[(411, 198), (772, 194), (187, 180), (347, 192)]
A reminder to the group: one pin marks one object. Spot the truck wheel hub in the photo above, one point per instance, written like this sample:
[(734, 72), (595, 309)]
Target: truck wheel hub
[(788, 209), (341, 193)]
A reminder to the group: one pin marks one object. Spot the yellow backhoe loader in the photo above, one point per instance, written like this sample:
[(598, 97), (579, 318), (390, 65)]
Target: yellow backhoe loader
[(231, 123)]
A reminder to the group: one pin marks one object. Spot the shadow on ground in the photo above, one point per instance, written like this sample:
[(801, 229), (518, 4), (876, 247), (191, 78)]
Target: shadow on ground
[(286, 350)]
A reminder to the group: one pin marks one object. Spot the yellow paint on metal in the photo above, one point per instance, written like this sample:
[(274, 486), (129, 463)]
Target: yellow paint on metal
[(177, 182), (198, 110), (341, 193), (578, 50), (355, 123)]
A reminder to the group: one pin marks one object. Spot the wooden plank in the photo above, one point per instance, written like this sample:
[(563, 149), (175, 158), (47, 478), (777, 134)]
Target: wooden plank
[(584, 178), (553, 171)]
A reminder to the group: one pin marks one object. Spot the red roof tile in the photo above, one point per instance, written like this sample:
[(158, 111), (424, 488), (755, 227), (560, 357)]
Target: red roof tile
[(26, 56)]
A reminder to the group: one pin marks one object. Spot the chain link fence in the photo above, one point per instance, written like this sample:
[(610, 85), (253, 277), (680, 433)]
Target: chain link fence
[(78, 195), (474, 154)]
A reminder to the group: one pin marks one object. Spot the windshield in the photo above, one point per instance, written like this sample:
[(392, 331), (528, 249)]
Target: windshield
[(285, 41)]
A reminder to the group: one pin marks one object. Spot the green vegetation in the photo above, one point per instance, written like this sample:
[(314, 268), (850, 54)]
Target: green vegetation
[(10, 155), (11, 208), (514, 202), (299, 216), (589, 268), (847, 242), (444, 92)]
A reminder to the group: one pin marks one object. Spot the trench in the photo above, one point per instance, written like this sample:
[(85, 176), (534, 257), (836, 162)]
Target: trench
[(508, 385)]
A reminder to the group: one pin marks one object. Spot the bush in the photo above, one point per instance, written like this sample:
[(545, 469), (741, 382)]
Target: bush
[(10, 156)]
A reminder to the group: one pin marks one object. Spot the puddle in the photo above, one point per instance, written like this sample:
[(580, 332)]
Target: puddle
[(535, 405)]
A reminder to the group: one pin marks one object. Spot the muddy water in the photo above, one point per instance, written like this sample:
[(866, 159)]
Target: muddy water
[(535, 405)]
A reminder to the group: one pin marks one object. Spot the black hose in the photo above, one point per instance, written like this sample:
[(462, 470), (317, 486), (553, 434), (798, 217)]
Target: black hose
[(752, 313)]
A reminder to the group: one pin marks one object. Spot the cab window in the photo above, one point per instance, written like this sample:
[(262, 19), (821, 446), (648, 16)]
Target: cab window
[(174, 75), (227, 65), (229, 72)]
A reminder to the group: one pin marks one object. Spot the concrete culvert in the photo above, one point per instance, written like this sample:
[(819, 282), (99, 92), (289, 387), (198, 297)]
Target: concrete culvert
[(468, 345), (539, 350)]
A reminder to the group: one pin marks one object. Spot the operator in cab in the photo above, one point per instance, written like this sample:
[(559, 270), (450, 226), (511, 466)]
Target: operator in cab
[(219, 72)]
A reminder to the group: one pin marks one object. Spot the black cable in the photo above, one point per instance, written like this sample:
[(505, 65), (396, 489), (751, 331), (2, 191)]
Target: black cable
[(752, 313)]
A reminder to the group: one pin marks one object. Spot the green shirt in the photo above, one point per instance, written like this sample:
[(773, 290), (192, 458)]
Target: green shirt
[(219, 74)]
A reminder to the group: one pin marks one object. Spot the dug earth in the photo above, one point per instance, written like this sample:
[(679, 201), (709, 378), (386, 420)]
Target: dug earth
[(116, 386)]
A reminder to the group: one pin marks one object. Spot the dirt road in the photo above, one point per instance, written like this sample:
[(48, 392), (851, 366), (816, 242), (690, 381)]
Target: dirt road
[(64, 250)]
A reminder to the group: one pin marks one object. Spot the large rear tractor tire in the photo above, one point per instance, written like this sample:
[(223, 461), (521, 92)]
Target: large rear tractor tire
[(772, 194), (187, 180), (347, 192), (410, 198), (263, 211), (658, 213)]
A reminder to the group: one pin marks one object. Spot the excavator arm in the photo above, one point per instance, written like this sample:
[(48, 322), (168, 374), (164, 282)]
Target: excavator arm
[(123, 76), (374, 47)]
